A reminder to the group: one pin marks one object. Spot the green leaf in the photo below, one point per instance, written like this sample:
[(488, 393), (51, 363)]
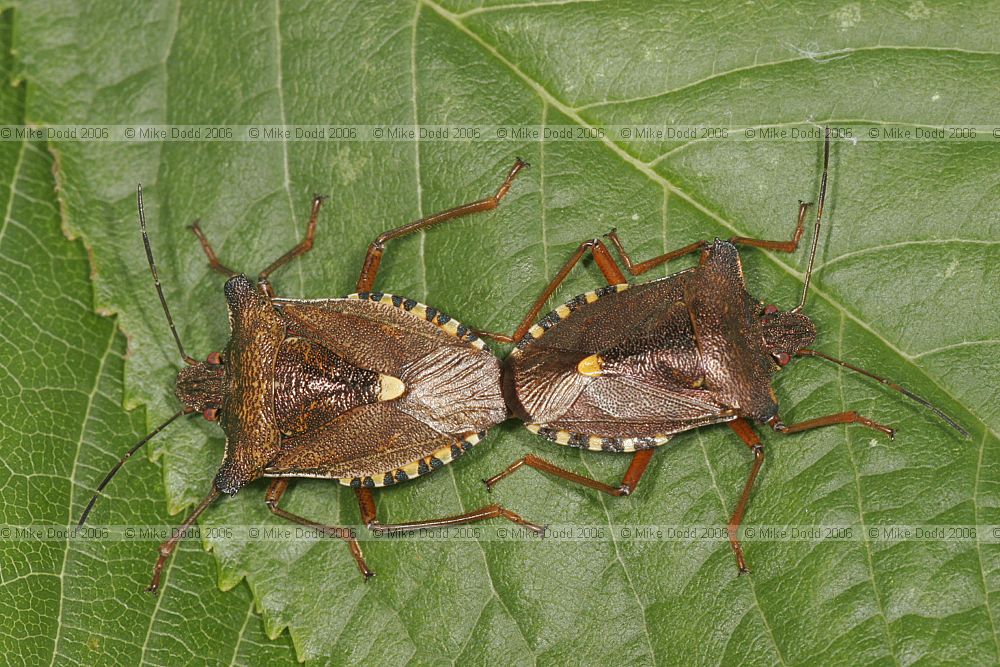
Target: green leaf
[(905, 286), (81, 601)]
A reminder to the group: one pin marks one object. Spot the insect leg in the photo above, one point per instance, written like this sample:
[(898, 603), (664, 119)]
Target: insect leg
[(642, 267), (369, 269), (277, 489), (302, 247), (750, 439), (368, 516), (168, 547), (213, 260), (805, 352), (782, 246), (605, 263), (829, 420), (631, 479)]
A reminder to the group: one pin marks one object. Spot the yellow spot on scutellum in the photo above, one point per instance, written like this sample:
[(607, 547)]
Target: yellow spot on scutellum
[(591, 366), (390, 388)]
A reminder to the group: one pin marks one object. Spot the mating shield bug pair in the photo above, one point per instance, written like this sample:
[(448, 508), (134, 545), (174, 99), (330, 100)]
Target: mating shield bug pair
[(374, 389)]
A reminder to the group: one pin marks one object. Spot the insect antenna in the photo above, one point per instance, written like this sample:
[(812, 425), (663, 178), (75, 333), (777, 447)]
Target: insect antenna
[(892, 385), (121, 462), (819, 218), (191, 361)]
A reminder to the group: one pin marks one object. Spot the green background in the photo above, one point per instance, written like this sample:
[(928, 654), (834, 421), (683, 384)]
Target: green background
[(906, 285)]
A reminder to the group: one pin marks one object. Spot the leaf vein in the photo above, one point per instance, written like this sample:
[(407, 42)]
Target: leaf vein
[(979, 550), (869, 562), (87, 416), (753, 588), (840, 53)]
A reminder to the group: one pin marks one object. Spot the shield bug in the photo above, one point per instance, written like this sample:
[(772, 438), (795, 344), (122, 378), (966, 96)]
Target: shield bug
[(626, 367), (370, 389)]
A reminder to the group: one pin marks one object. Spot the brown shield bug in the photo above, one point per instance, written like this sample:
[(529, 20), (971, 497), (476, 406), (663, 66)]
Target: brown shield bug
[(370, 389), (626, 367)]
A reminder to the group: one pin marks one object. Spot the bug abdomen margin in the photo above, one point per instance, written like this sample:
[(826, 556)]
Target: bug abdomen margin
[(596, 443)]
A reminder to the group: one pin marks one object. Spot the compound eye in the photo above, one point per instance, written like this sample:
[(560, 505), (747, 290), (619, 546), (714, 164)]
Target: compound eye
[(210, 414), (214, 358), (770, 309), (782, 358)]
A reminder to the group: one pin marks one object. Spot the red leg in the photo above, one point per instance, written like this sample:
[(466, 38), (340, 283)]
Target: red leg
[(888, 383), (638, 268), (277, 489), (369, 269), (829, 420), (304, 246), (642, 267), (604, 261), (300, 248), (213, 260), (750, 439), (640, 460), (782, 246), (168, 547), (368, 516)]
